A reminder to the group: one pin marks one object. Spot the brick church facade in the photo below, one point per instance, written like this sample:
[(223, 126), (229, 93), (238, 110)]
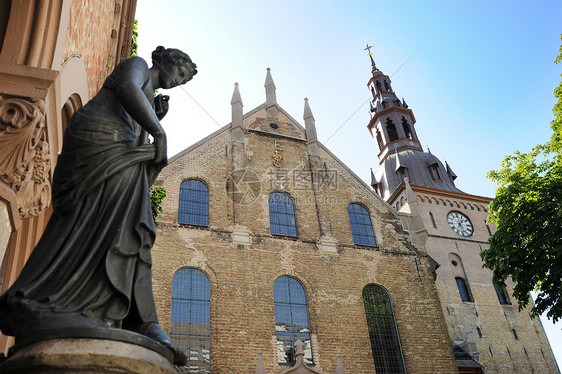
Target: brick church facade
[(266, 237)]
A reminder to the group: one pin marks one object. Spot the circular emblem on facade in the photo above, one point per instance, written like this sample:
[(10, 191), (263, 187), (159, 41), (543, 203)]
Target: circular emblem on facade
[(243, 186), (460, 223)]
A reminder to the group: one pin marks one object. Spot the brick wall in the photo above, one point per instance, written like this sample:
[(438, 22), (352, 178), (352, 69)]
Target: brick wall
[(242, 276), (90, 37)]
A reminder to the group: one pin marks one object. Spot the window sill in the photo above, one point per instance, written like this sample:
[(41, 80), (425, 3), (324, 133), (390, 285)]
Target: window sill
[(281, 236)]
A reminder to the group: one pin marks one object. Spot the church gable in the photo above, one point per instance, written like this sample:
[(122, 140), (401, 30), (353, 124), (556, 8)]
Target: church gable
[(284, 126), (281, 156)]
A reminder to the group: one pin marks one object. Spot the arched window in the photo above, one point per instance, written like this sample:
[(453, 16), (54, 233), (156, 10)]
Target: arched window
[(194, 203), (514, 334), (391, 130), (291, 319), (502, 294), (190, 326), (361, 226), (434, 169), (282, 215), (406, 127), (386, 86), (463, 289), (383, 333), (378, 85), (379, 141)]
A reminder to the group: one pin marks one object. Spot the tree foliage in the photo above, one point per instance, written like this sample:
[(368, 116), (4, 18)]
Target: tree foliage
[(134, 45), (527, 210), (157, 194)]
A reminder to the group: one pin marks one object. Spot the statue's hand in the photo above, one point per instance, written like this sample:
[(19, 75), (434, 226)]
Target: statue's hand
[(161, 154), (161, 105)]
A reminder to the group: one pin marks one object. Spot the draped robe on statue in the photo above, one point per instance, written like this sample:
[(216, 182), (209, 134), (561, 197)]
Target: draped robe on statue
[(91, 267)]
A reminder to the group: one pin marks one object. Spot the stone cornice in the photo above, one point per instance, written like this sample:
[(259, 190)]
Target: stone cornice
[(387, 148), (390, 110), (442, 193), (25, 81)]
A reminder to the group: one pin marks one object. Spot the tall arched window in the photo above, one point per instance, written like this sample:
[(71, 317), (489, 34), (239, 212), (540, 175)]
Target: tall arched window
[(291, 319), (503, 296), (383, 333), (194, 203), (190, 326), (361, 226), (282, 215), (379, 141), (391, 130), (406, 127), (463, 289)]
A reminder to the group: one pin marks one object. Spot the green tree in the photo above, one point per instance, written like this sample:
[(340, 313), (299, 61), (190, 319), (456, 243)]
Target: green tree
[(157, 194), (134, 45), (527, 210)]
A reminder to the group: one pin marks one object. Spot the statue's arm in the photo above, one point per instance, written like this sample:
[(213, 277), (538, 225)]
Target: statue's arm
[(130, 81)]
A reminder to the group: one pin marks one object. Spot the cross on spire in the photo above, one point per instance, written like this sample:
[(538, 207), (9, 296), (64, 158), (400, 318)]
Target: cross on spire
[(368, 48)]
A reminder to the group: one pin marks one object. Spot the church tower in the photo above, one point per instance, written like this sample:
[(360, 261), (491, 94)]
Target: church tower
[(486, 330), (401, 156)]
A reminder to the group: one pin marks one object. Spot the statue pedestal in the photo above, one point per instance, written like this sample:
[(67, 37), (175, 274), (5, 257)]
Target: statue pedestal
[(86, 356)]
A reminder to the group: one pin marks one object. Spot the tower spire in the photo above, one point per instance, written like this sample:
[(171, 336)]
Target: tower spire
[(400, 153), (368, 49), (392, 122)]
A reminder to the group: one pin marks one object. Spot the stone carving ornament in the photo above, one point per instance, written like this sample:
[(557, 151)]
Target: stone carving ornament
[(24, 153)]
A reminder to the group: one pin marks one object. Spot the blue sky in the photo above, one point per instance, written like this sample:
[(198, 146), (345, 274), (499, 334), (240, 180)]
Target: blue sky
[(479, 75)]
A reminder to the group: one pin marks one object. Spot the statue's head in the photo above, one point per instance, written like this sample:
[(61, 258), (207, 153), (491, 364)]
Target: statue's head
[(175, 64)]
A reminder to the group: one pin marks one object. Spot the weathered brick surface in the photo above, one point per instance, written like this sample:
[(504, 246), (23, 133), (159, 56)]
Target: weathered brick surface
[(89, 36), (499, 351), (242, 276)]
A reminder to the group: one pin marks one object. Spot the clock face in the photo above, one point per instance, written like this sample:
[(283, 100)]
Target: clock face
[(460, 224)]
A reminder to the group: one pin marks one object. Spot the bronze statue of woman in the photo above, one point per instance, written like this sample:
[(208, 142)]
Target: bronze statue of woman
[(91, 270)]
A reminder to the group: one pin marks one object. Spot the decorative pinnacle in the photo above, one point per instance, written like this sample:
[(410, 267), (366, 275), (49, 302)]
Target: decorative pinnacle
[(307, 111), (236, 95)]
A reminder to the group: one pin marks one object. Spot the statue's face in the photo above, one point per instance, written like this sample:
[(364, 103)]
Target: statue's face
[(174, 75)]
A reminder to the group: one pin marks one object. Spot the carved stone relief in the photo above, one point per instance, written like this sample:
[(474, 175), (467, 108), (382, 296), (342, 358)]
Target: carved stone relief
[(24, 153)]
